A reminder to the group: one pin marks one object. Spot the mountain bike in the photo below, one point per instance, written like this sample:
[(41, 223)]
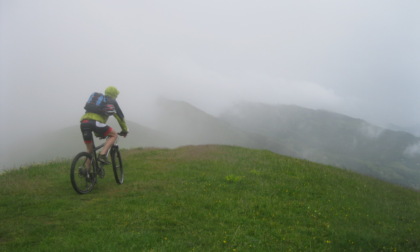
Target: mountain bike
[(86, 168)]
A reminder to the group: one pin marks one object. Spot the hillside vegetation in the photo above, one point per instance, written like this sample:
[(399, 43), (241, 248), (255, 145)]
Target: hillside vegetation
[(207, 198)]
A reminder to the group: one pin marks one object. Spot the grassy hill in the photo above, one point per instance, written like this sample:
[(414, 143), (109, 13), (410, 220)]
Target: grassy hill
[(207, 198)]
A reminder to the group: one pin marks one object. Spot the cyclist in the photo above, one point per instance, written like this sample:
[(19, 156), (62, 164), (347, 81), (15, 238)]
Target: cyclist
[(94, 121)]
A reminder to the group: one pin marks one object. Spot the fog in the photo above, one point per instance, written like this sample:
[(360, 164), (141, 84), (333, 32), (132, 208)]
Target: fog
[(359, 58)]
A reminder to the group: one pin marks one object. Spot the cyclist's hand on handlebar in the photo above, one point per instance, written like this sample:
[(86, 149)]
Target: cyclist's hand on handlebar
[(123, 133)]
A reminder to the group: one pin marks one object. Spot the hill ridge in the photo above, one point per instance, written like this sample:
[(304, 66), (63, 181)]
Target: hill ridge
[(317, 135)]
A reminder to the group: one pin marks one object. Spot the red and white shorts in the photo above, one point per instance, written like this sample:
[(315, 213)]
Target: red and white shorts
[(89, 126)]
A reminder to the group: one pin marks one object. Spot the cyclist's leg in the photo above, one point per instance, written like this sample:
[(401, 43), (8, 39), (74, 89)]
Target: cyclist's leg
[(103, 130), (87, 126), (112, 137)]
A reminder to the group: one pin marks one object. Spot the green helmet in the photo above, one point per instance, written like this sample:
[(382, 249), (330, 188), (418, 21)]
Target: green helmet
[(112, 92)]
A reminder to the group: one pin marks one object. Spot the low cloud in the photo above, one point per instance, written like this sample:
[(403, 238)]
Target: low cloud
[(412, 150), (371, 131)]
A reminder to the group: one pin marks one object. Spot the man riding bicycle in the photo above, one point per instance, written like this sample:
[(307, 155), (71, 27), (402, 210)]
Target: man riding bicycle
[(98, 109)]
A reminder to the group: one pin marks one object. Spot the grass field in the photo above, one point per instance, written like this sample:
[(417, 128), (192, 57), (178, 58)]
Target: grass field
[(207, 198)]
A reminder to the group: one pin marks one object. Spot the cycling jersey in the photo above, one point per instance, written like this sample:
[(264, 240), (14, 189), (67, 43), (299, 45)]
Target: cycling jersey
[(104, 118)]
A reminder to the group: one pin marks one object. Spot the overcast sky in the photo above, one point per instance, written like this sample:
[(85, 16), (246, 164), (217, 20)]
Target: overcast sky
[(357, 57)]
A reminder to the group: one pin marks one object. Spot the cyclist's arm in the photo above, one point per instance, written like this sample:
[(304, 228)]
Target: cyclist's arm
[(120, 117), (122, 123)]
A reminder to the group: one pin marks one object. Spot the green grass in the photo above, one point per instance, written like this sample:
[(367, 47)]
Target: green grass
[(207, 198)]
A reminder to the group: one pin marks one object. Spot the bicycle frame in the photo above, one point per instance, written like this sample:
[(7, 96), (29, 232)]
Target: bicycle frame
[(96, 164)]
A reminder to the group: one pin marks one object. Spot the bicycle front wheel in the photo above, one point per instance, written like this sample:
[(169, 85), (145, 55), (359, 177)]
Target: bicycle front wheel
[(82, 178), (117, 165)]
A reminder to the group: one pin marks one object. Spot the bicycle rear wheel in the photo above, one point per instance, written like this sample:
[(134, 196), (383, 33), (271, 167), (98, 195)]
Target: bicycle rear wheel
[(117, 165), (82, 178)]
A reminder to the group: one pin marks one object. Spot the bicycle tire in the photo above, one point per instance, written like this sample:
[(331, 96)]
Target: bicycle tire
[(117, 165), (78, 176)]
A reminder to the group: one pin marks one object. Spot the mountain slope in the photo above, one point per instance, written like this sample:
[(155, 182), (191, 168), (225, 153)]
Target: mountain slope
[(207, 198), (190, 125), (334, 139)]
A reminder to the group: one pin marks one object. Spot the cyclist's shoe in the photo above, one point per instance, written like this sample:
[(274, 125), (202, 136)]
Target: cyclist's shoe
[(103, 159)]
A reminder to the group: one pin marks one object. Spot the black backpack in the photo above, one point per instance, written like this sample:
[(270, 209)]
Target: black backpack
[(96, 103)]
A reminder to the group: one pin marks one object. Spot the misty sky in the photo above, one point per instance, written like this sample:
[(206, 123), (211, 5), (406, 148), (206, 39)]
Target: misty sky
[(356, 57)]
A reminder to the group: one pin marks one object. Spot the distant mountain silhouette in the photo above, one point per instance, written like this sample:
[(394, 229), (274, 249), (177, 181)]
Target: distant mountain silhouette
[(334, 139), (191, 126), (315, 135)]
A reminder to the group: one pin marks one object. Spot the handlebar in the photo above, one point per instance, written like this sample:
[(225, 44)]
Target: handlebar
[(124, 134)]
